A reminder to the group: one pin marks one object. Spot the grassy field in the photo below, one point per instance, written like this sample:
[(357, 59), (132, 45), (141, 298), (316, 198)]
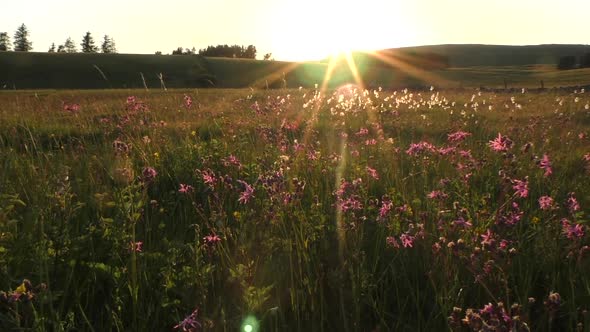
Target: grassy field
[(115, 71), (291, 210)]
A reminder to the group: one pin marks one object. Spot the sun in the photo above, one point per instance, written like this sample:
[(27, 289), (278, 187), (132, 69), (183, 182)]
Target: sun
[(308, 30)]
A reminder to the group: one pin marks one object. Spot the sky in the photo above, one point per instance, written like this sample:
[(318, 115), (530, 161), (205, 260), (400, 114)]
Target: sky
[(297, 30)]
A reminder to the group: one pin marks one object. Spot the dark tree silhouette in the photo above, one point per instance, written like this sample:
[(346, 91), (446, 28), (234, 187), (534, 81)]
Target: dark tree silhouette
[(226, 51), (87, 44), (250, 52), (108, 45), (4, 41), (69, 46), (178, 51), (21, 39), (52, 48)]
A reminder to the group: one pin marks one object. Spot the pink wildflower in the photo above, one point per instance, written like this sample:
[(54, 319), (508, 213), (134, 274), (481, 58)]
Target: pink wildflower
[(500, 143), (134, 105), (371, 141), (185, 188), (373, 173), (572, 230), (71, 108), (545, 202), (232, 160), (457, 136), (521, 187), (391, 241), (466, 154), (503, 244), (462, 222), (487, 309), (572, 203), (189, 323), (487, 238), (313, 155), (386, 205), (208, 178), (211, 240), (351, 203), (137, 246), (407, 240), (417, 148), (247, 194), (188, 101), (437, 194), (446, 151), (545, 164), (512, 217), (148, 174), (362, 132)]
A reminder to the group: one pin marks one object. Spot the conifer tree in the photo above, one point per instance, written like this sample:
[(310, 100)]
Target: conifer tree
[(21, 39), (69, 46), (4, 41), (108, 45), (88, 44)]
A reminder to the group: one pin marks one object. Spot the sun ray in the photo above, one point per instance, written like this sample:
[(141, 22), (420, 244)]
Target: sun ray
[(277, 74), (354, 70), (402, 63)]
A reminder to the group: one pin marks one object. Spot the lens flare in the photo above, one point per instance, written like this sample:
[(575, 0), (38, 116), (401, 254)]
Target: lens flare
[(250, 324)]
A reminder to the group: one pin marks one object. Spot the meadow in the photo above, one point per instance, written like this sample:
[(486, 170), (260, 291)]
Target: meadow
[(292, 209), (472, 66)]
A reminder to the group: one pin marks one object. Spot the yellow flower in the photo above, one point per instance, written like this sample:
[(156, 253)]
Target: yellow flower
[(157, 156), (535, 220), (21, 289), (237, 215), (193, 133)]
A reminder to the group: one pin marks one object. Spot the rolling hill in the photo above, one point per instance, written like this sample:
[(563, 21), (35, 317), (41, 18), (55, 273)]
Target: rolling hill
[(475, 55), (470, 66)]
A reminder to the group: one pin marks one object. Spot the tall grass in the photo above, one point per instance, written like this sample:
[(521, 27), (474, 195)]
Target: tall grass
[(291, 210)]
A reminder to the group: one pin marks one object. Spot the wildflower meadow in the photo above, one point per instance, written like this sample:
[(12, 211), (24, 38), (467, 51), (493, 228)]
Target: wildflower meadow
[(295, 210)]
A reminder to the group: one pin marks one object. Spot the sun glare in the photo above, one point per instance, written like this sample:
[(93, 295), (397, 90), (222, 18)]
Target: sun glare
[(316, 30)]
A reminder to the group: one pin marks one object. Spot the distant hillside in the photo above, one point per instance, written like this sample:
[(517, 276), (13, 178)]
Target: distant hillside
[(470, 66), (32, 70), (472, 55)]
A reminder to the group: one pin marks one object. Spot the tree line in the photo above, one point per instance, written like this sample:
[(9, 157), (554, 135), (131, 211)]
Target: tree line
[(222, 51), (573, 62), (22, 43)]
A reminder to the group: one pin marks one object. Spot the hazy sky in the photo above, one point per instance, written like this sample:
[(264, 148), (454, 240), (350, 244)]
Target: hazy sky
[(299, 29)]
